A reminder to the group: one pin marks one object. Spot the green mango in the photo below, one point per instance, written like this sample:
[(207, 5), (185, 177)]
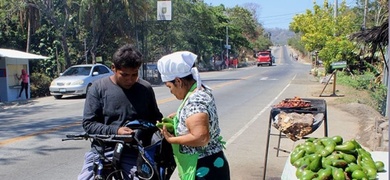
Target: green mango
[(346, 146), (169, 126), (352, 167), (319, 148), (160, 125), (371, 172), (330, 147), (308, 143), (358, 174), (315, 165), (324, 152), (167, 120), (296, 150), (299, 162), (326, 141), (325, 162), (357, 145), (312, 156), (325, 174), (362, 152), (367, 161), (310, 148), (317, 142), (296, 156), (351, 152), (349, 158), (308, 175), (337, 139), (299, 171), (334, 156), (380, 166), (338, 174), (310, 139), (339, 163)]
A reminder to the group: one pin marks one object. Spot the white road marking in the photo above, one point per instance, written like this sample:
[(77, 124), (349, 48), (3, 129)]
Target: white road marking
[(247, 125), (267, 79)]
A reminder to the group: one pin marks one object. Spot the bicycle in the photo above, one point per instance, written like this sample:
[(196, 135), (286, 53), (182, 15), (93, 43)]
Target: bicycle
[(154, 161), (104, 168)]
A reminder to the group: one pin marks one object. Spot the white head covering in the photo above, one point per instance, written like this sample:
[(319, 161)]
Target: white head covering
[(178, 64)]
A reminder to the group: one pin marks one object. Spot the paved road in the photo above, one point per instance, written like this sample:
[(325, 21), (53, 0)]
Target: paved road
[(30, 133)]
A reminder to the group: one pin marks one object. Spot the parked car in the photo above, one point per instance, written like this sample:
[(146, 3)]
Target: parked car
[(77, 79)]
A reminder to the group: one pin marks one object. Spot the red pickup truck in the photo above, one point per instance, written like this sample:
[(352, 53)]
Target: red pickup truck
[(264, 57)]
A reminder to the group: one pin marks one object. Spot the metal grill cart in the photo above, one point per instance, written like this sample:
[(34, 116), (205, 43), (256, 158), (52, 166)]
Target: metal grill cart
[(318, 106)]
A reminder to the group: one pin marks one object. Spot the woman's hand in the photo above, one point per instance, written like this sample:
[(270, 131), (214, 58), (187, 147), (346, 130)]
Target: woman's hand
[(168, 136), (172, 115)]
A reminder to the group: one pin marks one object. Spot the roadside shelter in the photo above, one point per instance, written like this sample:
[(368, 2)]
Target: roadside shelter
[(11, 64)]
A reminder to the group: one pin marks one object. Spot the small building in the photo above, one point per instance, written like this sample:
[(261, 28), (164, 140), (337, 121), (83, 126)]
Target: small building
[(11, 64)]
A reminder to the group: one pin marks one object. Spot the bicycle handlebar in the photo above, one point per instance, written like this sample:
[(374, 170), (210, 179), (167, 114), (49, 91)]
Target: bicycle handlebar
[(100, 137)]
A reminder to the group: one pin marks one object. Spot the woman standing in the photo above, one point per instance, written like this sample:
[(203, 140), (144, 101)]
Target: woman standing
[(196, 140), (24, 77)]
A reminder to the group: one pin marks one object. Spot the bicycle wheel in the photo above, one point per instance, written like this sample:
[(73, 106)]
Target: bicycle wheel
[(116, 175)]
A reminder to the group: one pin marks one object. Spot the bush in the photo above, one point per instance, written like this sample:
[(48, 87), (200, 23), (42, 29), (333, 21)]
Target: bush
[(366, 82), (40, 85), (379, 95)]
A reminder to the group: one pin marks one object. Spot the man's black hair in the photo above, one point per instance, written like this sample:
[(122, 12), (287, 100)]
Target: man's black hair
[(127, 56)]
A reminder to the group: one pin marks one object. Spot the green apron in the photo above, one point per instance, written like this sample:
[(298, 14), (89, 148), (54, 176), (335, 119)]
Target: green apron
[(185, 163)]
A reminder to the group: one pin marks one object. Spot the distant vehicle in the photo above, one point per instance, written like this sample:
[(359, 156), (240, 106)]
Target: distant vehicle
[(77, 79), (264, 57)]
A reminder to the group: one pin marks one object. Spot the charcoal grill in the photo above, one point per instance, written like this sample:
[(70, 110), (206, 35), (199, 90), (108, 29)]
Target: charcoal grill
[(318, 106)]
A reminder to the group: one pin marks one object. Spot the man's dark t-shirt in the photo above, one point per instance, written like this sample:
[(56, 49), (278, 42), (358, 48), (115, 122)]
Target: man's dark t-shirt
[(108, 106)]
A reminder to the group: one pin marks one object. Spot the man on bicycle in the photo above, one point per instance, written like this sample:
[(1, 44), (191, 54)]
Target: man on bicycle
[(113, 101)]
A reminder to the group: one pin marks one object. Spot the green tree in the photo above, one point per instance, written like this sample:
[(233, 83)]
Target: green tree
[(328, 35), (57, 13)]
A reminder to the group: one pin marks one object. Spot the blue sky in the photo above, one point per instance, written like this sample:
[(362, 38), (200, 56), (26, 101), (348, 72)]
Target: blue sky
[(276, 13)]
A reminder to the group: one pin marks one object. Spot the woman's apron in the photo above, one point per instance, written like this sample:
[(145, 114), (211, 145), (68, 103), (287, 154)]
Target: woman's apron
[(186, 163)]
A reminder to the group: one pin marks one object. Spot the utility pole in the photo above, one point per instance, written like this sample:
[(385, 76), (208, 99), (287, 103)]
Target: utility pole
[(365, 15), (227, 43), (335, 16), (388, 88), (335, 8), (221, 50), (387, 79), (85, 51)]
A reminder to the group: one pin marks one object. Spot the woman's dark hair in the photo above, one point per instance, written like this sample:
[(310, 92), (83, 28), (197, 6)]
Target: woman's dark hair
[(188, 78), (185, 78), (127, 56)]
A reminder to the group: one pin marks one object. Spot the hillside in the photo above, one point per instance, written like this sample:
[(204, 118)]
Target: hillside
[(280, 36)]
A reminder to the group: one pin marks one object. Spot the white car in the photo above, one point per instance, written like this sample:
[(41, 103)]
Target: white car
[(77, 79)]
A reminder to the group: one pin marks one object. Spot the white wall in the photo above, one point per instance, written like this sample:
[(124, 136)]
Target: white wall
[(12, 85)]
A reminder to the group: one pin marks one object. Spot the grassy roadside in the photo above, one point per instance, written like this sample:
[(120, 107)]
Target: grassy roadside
[(360, 101)]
